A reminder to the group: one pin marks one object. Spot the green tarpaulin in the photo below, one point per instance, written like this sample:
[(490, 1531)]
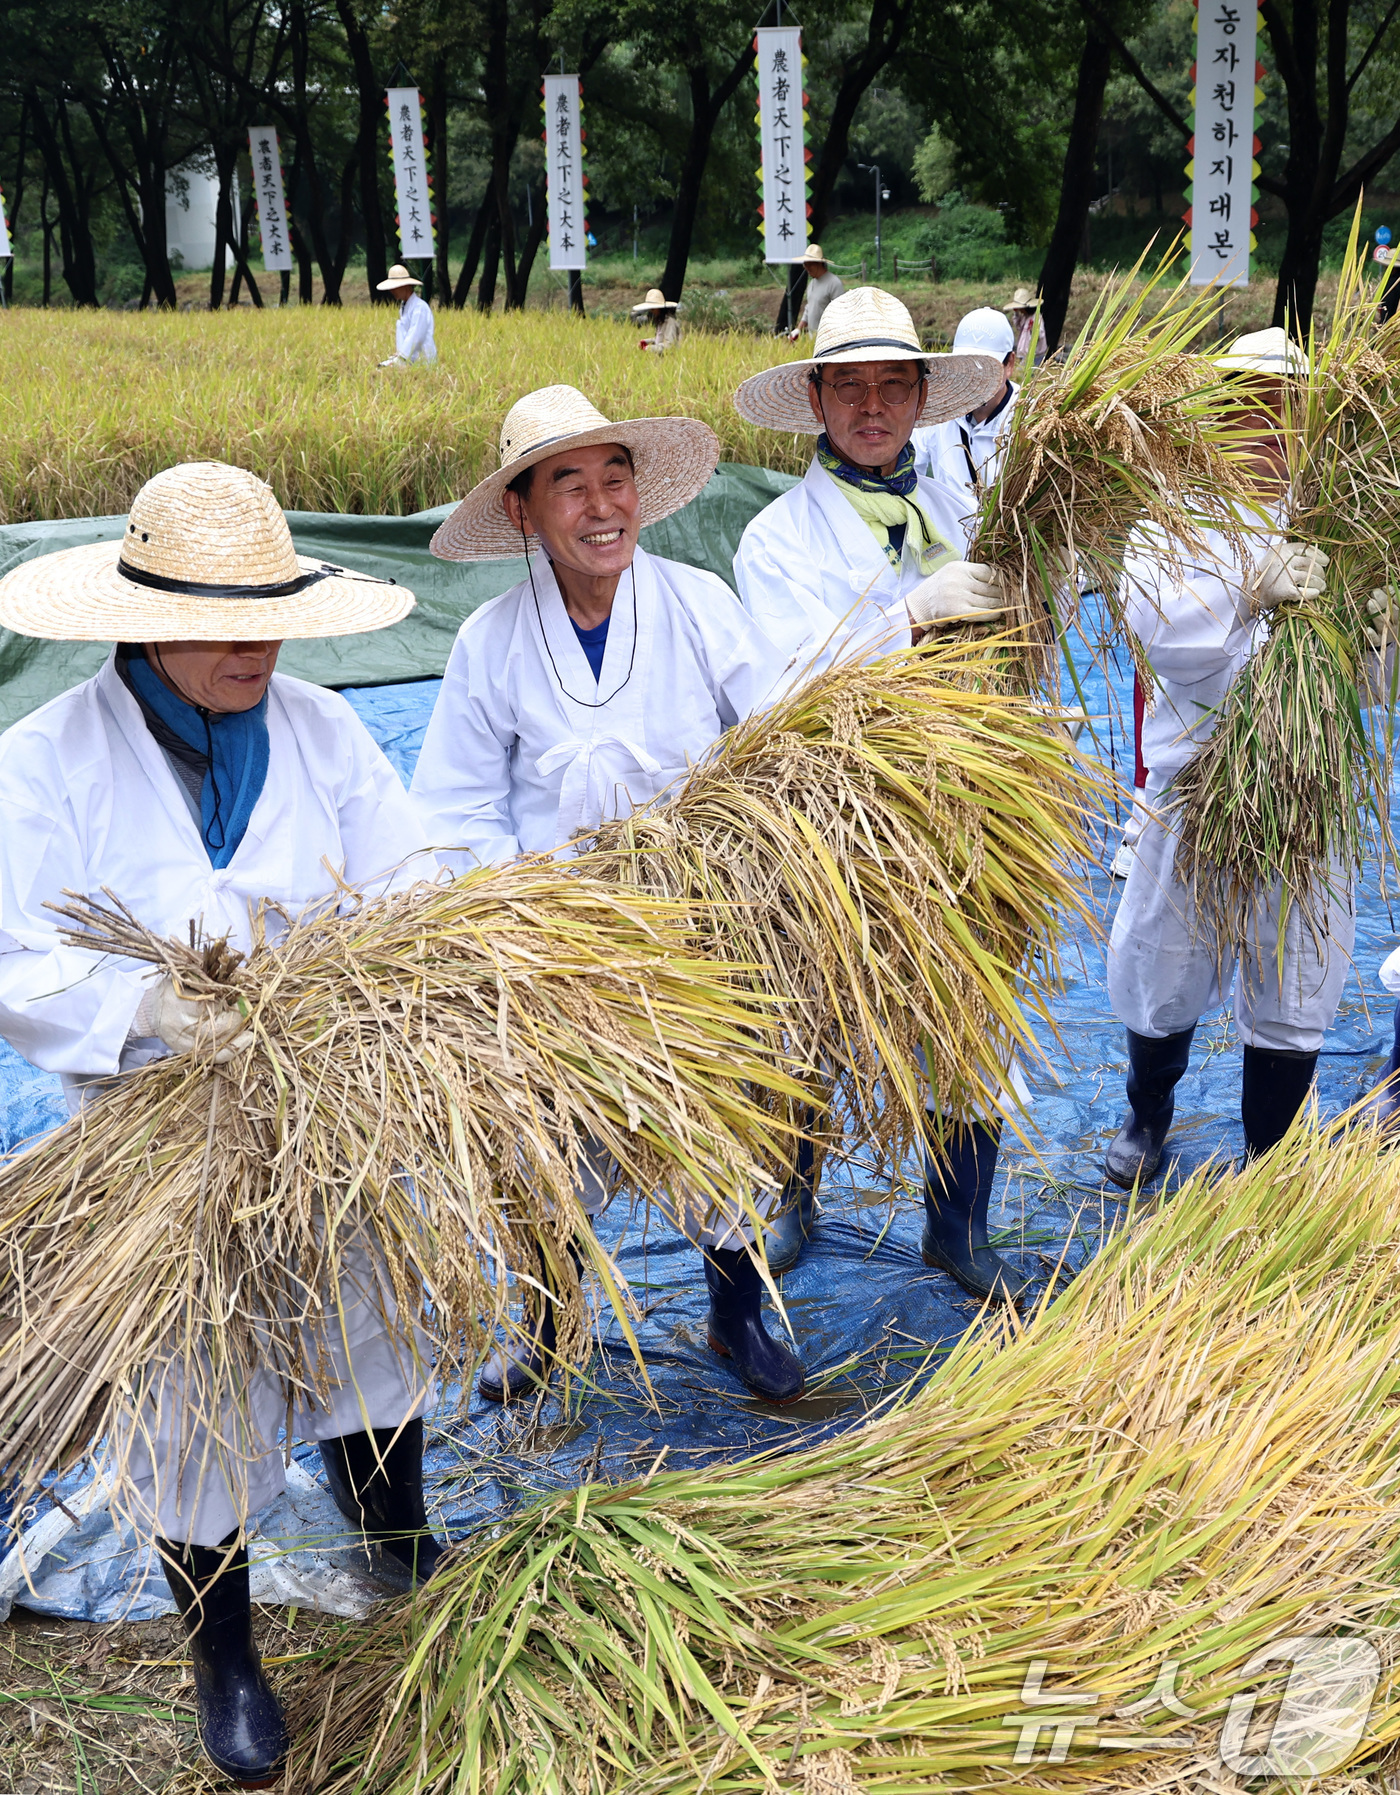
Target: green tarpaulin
[(705, 534)]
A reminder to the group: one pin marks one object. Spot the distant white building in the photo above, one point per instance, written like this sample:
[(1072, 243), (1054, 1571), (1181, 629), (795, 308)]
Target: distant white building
[(191, 194)]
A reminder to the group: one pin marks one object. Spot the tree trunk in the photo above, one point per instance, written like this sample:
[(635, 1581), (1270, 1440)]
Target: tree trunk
[(1076, 185), (486, 291), (370, 140), (437, 126), (1314, 155), (469, 266), (532, 246), (80, 256), (240, 253), (705, 110), (223, 224), (47, 230)]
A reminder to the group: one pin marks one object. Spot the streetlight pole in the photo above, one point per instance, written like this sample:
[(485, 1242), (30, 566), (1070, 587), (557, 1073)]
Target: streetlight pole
[(873, 168)]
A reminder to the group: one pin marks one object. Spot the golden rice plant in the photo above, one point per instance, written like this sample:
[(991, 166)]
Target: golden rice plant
[(891, 859), (1190, 1455), (92, 404), (1125, 428), (1294, 783), (426, 1070)]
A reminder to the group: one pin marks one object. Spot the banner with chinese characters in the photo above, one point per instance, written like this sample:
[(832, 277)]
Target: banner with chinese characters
[(782, 174), (1223, 168), (411, 185), (6, 247), (272, 201), (564, 181)]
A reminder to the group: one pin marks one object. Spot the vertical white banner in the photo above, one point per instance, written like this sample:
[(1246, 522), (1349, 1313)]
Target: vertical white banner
[(6, 247), (411, 172), (782, 143), (1222, 170), (272, 200), (563, 153)]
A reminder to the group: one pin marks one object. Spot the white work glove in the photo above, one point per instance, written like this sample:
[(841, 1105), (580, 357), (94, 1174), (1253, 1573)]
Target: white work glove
[(1383, 609), (960, 591), (1292, 570), (187, 1025)]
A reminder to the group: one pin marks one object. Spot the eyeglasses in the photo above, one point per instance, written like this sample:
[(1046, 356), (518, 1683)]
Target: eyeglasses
[(851, 391)]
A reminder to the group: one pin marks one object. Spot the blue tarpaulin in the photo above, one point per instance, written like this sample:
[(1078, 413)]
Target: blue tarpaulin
[(865, 1312)]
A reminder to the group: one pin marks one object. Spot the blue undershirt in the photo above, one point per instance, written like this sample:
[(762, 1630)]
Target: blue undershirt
[(593, 642)]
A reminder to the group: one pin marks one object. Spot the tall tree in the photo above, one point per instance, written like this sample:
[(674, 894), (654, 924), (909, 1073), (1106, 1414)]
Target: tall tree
[(369, 145), (1076, 184)]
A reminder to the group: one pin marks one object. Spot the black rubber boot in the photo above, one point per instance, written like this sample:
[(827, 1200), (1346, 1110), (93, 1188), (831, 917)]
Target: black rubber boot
[(1275, 1088), (241, 1725), (376, 1480), (737, 1332), (791, 1227), (1155, 1068), (957, 1192), (519, 1367)]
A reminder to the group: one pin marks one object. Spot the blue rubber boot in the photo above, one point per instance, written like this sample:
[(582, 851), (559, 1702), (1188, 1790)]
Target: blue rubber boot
[(521, 1367), (737, 1332), (240, 1720), (791, 1227), (958, 1181), (376, 1480)]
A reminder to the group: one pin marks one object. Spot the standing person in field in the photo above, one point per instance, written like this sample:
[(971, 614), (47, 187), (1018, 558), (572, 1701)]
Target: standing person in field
[(580, 694), (413, 332), (197, 784), (862, 556), (967, 451), (1023, 313), (660, 313), (822, 287), (1199, 627)]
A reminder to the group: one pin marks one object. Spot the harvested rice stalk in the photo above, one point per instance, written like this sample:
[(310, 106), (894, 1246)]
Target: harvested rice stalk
[(426, 1069), (890, 858), (1294, 783), (1125, 429), (1190, 1455)]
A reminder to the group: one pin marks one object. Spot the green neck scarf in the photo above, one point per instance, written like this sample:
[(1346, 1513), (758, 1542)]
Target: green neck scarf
[(881, 500)]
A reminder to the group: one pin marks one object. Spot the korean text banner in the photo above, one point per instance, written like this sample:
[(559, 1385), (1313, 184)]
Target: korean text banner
[(783, 172), (272, 201), (1223, 169), (563, 150), (410, 173)]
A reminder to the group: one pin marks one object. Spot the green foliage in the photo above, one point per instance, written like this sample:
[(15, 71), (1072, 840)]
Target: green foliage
[(933, 166)]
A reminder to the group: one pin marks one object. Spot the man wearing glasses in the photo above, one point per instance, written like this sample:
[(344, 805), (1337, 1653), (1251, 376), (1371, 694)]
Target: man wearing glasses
[(855, 560), (863, 550)]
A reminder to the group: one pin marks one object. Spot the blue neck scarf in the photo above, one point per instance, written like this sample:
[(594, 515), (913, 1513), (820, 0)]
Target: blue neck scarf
[(237, 748), (899, 484)]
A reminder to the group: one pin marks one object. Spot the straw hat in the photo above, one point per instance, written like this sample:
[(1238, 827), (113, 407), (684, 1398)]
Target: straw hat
[(656, 301), (813, 253), (673, 458), (1264, 352), (867, 324), (206, 557), (398, 277), (1024, 299)]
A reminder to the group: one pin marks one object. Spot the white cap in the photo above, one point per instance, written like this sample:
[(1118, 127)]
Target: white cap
[(1264, 352), (985, 332)]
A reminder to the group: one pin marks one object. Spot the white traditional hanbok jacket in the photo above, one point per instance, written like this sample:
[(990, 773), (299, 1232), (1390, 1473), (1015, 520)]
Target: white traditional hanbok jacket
[(525, 748), (413, 330), (944, 451), (813, 577), (88, 799)]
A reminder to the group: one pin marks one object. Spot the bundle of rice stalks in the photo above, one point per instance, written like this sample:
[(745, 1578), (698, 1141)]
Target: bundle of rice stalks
[(1189, 1457), (426, 1072), (1294, 783), (890, 859), (1126, 428)]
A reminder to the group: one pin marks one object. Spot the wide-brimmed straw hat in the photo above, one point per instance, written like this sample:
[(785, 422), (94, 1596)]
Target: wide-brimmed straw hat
[(656, 301), (813, 253), (866, 324), (1269, 351), (1024, 299), (398, 277), (673, 459), (206, 556)]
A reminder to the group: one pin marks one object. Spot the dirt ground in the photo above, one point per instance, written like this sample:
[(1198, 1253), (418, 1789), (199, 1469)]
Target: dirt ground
[(108, 1710)]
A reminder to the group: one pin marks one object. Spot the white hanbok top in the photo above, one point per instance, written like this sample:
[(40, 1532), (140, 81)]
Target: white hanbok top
[(943, 451), (413, 331), (88, 799), (812, 575), (525, 747)]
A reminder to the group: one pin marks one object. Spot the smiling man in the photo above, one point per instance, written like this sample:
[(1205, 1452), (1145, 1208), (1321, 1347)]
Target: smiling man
[(582, 693)]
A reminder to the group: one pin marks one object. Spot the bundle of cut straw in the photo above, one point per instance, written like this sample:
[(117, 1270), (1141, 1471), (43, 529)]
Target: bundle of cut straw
[(1191, 1455), (1294, 783), (426, 1072), (1125, 428), (888, 859)]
